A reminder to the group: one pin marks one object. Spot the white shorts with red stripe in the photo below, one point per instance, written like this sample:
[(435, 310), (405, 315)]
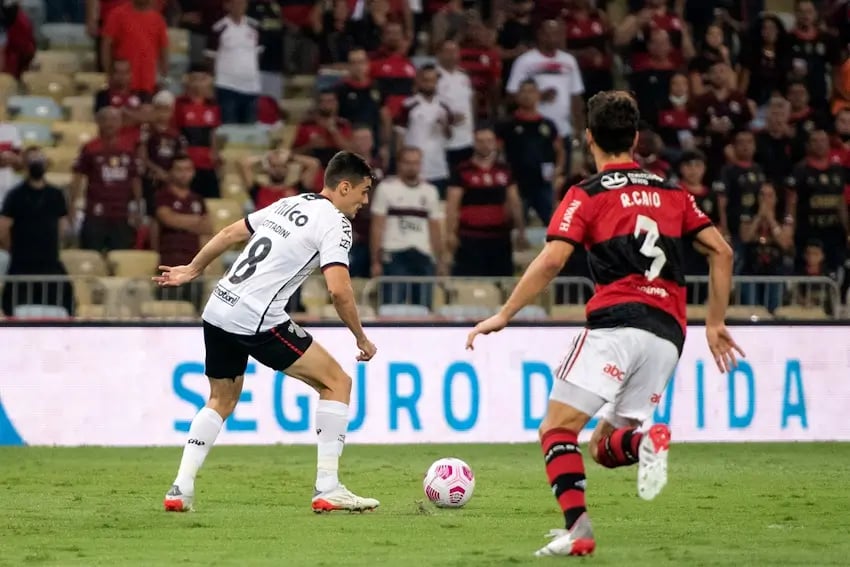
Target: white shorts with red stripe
[(627, 368)]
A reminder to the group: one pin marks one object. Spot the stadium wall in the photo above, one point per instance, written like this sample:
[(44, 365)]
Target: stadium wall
[(141, 385)]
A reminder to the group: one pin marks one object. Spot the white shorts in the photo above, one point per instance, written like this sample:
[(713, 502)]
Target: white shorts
[(625, 368)]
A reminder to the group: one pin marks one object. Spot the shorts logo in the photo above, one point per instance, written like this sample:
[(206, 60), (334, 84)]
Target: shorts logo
[(654, 398), (226, 296), (614, 372), (297, 331)]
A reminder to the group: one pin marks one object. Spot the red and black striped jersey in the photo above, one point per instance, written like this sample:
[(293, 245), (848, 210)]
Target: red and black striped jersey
[(484, 205), (632, 223)]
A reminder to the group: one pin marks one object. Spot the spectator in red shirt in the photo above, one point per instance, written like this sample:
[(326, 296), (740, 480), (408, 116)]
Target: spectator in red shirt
[(137, 32), (276, 165), (181, 223), (589, 40), (392, 71), (198, 17), (196, 117), (19, 47), (633, 31), (133, 104), (482, 61), (113, 194), (676, 120), (159, 144), (325, 133), (651, 75)]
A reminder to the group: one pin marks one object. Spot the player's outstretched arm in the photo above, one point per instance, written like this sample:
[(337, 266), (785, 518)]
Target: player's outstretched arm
[(342, 295), (720, 259), (545, 267), (173, 276)]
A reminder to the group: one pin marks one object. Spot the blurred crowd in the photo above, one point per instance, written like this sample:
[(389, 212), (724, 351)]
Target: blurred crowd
[(472, 113)]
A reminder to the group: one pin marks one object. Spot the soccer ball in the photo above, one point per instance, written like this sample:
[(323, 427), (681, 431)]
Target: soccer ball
[(449, 483)]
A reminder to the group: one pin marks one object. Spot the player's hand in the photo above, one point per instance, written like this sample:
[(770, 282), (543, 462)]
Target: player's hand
[(175, 276), (367, 349), (495, 323), (723, 347)]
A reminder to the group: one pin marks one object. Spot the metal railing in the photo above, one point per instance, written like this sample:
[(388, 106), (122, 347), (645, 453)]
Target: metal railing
[(423, 298)]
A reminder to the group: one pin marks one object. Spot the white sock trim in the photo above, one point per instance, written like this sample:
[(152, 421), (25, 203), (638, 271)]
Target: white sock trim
[(211, 415), (332, 407)]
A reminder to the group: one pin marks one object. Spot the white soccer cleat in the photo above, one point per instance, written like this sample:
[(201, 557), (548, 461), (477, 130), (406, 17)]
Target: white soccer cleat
[(340, 498), (176, 501), (652, 467), (576, 541)]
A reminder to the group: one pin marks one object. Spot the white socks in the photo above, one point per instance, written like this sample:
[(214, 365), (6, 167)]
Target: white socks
[(331, 425), (202, 435)]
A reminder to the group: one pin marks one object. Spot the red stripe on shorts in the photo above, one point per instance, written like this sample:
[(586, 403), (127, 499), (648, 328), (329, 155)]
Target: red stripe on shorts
[(281, 338), (571, 360)]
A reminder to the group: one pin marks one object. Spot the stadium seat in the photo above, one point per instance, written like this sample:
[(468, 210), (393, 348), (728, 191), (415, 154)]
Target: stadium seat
[(747, 313), (167, 309), (314, 295), (471, 292), (178, 40), (222, 212), (284, 135), (61, 159), (8, 85), (74, 134), (697, 312), (34, 108), (40, 312), (55, 85), (34, 133), (67, 36), (465, 312), (297, 108), (79, 108), (536, 235), (36, 12), (59, 179), (54, 61), (83, 262), (133, 263), (300, 86), (359, 286), (232, 188), (571, 313), (532, 313), (89, 83), (420, 61), (801, 313), (328, 312), (4, 262), (120, 312), (403, 311), (232, 157), (244, 136), (327, 81)]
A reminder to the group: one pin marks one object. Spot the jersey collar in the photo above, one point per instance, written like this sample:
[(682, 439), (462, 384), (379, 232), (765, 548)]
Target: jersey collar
[(621, 165)]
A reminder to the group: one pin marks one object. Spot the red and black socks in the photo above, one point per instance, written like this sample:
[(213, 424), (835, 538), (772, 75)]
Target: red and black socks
[(620, 448), (565, 469)]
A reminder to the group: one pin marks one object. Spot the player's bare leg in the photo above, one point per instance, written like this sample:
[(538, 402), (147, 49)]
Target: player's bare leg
[(319, 369), (224, 395), (565, 470), (614, 447)]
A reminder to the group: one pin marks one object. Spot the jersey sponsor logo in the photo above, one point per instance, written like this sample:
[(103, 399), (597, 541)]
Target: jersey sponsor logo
[(614, 372), (640, 199), (291, 212), (226, 296), (654, 398), (346, 240), (614, 180), (653, 290), (567, 219)]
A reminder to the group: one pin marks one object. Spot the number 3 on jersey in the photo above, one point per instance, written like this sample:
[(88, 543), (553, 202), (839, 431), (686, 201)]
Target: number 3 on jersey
[(256, 254), (649, 248)]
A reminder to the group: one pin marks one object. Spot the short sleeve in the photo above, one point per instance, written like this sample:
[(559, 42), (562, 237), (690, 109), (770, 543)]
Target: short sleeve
[(435, 209), (569, 223), (257, 218), (380, 206), (518, 74), (82, 163), (693, 219), (335, 242), (576, 82)]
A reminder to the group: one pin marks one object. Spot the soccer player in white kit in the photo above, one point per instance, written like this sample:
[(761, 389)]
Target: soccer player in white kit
[(245, 316)]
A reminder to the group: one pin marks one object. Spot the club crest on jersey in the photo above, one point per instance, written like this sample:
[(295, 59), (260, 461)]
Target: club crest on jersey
[(614, 180)]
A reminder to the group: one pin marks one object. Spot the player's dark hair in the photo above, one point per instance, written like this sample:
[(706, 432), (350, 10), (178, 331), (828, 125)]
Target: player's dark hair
[(613, 118), (346, 166)]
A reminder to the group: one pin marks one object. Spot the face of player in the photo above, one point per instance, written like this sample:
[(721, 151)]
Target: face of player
[(745, 147), (363, 141), (182, 172), (358, 63), (121, 75), (806, 14), (485, 144), (353, 197), (818, 144), (449, 55), (693, 172), (427, 83), (410, 166), (528, 97)]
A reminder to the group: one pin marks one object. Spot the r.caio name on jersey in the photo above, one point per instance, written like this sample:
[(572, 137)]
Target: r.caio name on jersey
[(640, 199)]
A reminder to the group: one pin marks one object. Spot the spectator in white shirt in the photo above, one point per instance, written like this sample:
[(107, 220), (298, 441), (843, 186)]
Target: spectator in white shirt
[(406, 235), (235, 45), (426, 123), (455, 90), (557, 74)]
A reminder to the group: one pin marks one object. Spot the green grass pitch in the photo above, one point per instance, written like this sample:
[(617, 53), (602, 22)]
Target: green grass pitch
[(754, 504)]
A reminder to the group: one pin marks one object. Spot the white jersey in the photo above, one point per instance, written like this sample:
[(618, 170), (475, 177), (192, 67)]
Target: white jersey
[(291, 238)]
